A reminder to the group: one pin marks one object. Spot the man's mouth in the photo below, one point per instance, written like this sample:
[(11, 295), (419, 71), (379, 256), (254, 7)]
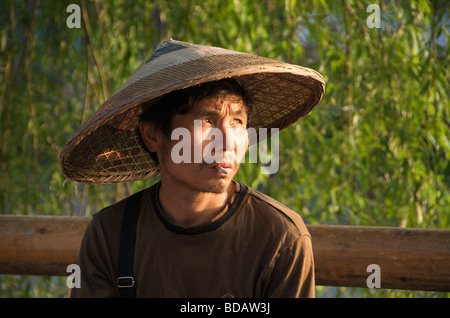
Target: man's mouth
[(221, 169), (224, 168)]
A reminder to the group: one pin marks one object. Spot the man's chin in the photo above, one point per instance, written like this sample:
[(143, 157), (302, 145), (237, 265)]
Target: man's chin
[(217, 186)]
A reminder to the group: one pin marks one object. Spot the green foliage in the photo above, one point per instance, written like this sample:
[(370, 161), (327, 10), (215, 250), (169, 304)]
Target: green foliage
[(375, 151)]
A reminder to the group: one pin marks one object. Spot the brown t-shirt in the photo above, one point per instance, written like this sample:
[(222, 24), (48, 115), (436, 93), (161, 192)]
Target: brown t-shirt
[(255, 248)]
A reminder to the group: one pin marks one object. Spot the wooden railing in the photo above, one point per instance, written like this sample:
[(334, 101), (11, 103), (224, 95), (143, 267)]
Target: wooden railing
[(407, 258)]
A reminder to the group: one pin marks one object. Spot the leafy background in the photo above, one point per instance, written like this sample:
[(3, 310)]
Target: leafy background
[(374, 152)]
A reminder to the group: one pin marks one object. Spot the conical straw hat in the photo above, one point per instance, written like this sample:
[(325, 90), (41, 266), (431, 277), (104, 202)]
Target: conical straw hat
[(108, 149)]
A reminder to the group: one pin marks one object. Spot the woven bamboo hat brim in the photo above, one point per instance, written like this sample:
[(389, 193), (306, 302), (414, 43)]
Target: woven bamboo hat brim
[(108, 149)]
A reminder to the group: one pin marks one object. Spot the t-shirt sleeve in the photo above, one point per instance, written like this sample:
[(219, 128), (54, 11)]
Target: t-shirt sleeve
[(293, 273), (95, 265)]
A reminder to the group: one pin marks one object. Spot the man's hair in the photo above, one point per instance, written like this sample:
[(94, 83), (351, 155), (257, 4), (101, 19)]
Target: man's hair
[(183, 101)]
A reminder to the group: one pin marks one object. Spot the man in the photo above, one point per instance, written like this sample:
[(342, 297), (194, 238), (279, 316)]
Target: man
[(199, 233)]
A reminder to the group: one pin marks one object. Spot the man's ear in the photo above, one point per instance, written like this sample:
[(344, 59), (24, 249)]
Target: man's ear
[(151, 135)]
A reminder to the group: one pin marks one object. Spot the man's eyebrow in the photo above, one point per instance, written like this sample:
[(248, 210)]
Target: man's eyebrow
[(216, 112)]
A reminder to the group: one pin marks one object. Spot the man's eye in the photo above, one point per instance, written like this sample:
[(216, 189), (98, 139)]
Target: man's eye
[(209, 121)]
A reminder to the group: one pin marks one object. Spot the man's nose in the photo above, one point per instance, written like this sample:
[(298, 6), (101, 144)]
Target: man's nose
[(229, 138)]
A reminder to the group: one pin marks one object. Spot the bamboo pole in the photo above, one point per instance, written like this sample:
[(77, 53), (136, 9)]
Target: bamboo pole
[(412, 259)]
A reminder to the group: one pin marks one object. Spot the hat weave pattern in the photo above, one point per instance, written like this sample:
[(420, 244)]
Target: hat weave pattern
[(108, 148)]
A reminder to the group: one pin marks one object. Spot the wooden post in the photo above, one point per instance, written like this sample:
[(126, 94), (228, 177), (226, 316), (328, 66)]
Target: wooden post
[(412, 259), (39, 245), (408, 258)]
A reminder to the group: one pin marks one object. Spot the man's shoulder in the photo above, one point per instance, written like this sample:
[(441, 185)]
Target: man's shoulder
[(113, 214), (106, 224), (277, 213), (112, 211)]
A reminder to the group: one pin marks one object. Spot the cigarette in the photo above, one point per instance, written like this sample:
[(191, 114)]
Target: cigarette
[(221, 169)]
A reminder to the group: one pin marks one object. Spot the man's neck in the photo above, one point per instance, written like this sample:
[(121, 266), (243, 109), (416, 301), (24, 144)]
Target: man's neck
[(186, 207)]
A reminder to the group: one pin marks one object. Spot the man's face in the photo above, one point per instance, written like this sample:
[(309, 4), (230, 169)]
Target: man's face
[(215, 130)]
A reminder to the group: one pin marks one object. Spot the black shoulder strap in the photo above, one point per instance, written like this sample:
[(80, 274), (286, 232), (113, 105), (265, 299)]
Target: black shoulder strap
[(125, 280)]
